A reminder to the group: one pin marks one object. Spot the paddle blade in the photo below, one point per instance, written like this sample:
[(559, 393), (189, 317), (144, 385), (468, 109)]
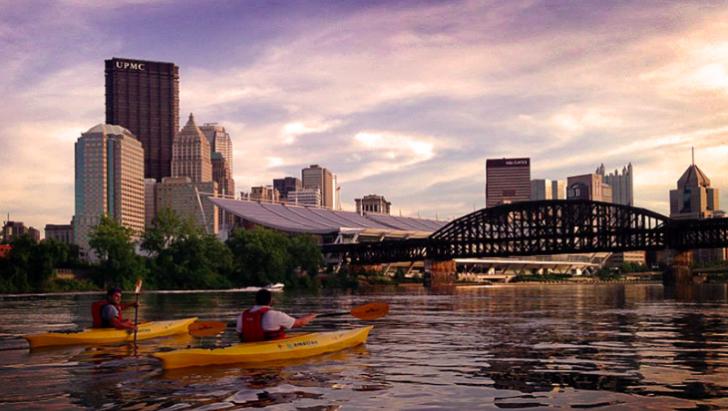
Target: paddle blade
[(206, 328), (370, 311), (138, 286)]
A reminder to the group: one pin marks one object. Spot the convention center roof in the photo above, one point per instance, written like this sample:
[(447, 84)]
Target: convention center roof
[(297, 219)]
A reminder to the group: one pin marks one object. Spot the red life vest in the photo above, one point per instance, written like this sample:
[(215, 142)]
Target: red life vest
[(253, 327), (97, 310)]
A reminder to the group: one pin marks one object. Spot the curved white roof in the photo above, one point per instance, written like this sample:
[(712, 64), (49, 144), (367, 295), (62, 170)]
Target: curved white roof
[(312, 220)]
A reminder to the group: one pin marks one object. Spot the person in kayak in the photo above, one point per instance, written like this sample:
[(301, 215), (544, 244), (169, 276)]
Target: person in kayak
[(107, 312), (260, 322)]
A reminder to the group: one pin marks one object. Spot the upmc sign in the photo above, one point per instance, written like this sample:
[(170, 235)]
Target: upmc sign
[(509, 162), (129, 65)]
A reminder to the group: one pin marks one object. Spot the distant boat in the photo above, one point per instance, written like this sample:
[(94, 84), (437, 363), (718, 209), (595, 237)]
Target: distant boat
[(277, 287)]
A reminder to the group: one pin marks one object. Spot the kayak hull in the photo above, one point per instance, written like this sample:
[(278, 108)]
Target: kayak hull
[(145, 331), (300, 346)]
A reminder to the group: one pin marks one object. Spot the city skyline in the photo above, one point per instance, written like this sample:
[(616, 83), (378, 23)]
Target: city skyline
[(403, 99)]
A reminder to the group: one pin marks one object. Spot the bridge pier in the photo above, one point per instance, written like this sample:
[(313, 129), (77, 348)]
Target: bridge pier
[(441, 273), (679, 272)]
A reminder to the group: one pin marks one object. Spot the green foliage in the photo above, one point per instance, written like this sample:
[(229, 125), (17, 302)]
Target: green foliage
[(119, 265), (30, 265), (166, 228), (263, 256), (193, 262)]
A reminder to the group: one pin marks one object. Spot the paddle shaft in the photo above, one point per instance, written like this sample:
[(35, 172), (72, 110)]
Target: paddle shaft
[(136, 317)]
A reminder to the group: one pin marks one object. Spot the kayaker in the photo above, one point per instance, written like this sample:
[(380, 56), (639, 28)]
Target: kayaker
[(260, 322), (107, 313)]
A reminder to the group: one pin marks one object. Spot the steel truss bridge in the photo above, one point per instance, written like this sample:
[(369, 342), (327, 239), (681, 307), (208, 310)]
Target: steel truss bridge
[(542, 228)]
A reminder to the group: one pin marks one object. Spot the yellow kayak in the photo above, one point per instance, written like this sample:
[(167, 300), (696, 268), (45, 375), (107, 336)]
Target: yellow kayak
[(299, 346), (146, 330)]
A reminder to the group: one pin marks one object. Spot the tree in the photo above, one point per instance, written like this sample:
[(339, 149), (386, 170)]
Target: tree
[(194, 262), (260, 256), (119, 264), (166, 228)]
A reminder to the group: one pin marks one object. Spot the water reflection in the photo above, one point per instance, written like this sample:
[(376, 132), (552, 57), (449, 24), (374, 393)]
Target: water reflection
[(587, 346)]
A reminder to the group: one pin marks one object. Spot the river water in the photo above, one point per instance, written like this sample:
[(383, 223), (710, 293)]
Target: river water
[(604, 346)]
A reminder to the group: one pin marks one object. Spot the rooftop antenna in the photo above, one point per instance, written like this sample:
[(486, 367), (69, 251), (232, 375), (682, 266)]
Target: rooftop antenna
[(692, 149)]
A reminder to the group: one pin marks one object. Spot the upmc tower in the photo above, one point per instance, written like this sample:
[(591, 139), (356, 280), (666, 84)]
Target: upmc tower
[(143, 96), (507, 180)]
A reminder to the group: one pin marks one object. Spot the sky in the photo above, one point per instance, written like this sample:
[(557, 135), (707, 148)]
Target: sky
[(406, 99)]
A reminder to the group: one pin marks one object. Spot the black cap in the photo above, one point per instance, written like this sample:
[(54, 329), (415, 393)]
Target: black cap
[(113, 290)]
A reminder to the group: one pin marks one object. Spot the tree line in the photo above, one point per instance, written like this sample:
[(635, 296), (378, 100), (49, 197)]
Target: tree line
[(171, 254)]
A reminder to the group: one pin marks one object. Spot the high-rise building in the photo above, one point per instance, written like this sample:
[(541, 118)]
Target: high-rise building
[(222, 175), (264, 194), (14, 229), (507, 180), (62, 233), (621, 184), (287, 184), (544, 189), (309, 197), (372, 204), (143, 97), (318, 177), (150, 201), (188, 199), (109, 181), (588, 187), (191, 155), (694, 197), (220, 142)]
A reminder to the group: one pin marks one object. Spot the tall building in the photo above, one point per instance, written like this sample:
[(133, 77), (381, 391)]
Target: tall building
[(14, 229), (222, 175), (264, 194), (318, 177), (309, 197), (150, 201), (588, 187), (109, 181), (188, 199), (63, 233), (507, 180), (372, 204), (621, 184), (143, 97), (287, 184), (220, 142), (545, 189), (694, 197), (191, 154)]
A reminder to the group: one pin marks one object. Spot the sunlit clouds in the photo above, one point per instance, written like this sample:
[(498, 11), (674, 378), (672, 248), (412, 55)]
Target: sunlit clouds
[(404, 99)]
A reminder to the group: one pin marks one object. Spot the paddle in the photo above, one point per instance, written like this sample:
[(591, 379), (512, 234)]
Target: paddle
[(370, 311), (137, 290)]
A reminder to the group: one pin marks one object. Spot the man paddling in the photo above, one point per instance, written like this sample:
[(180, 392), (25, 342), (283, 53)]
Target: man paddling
[(107, 313), (260, 322)]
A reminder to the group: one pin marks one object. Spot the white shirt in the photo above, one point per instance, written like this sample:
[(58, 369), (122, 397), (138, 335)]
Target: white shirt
[(272, 320)]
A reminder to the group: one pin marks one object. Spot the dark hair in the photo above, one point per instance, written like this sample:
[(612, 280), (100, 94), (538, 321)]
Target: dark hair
[(112, 291), (263, 297)]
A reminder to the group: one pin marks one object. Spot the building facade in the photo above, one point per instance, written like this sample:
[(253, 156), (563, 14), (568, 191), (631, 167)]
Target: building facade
[(309, 197), (544, 189), (507, 180), (372, 204), (264, 194), (315, 177), (109, 180), (188, 199), (694, 197), (63, 233), (220, 142), (620, 183), (287, 184), (191, 155), (588, 187), (143, 97), (14, 229), (150, 201)]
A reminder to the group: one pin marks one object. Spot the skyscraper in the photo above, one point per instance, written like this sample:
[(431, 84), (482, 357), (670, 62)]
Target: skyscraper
[(622, 191), (143, 97), (191, 154), (545, 189), (220, 142), (287, 184), (318, 177), (507, 180), (694, 197), (109, 180), (588, 187)]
